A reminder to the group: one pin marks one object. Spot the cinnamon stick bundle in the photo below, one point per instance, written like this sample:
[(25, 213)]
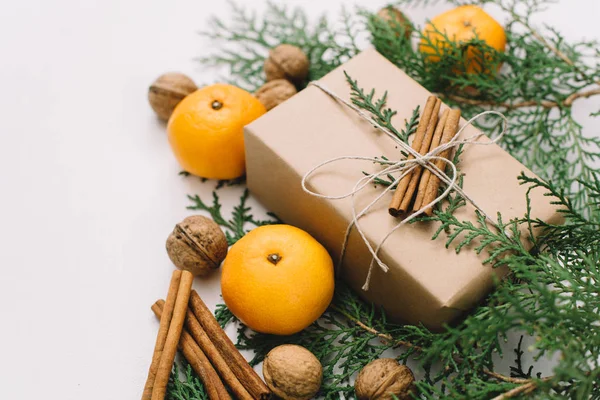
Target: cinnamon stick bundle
[(435, 142), (418, 171), (162, 334), (169, 333), (231, 355), (433, 185), (406, 187), (212, 352), (198, 361), (208, 348)]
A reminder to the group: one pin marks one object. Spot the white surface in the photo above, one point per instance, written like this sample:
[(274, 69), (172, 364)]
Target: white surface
[(90, 189)]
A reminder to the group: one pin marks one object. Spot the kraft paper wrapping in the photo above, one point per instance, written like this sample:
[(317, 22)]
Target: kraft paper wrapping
[(426, 283)]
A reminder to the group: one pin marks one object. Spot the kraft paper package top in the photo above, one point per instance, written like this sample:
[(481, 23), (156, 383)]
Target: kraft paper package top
[(426, 282)]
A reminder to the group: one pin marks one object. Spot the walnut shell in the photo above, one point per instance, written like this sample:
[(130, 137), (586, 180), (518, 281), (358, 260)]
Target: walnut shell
[(382, 378), (273, 93), (197, 244), (394, 17), (292, 372), (286, 62), (167, 91)]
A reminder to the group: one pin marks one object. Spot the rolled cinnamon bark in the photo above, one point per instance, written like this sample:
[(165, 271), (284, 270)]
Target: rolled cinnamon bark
[(208, 347), (162, 334), (173, 335), (238, 364), (435, 142), (417, 172), (450, 129), (198, 361), (416, 145)]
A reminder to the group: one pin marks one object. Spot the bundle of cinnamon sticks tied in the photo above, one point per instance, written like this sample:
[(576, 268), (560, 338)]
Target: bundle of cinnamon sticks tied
[(420, 187), (186, 323)]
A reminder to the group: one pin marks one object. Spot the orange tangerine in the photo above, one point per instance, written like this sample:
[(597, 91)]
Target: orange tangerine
[(206, 130), (277, 279), (461, 25)]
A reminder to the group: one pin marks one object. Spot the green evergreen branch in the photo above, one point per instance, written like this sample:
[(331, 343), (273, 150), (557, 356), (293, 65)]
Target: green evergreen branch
[(365, 102), (235, 228), (189, 389), (377, 108)]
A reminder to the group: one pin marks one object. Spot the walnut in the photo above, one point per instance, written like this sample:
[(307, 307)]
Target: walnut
[(395, 17), (382, 378), (286, 62), (292, 372), (197, 244), (167, 91), (273, 93)]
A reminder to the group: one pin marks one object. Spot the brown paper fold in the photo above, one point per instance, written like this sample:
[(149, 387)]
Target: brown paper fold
[(427, 283)]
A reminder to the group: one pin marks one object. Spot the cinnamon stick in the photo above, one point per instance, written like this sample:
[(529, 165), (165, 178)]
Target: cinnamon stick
[(450, 129), (416, 145), (162, 334), (198, 361), (208, 347), (238, 364), (416, 174), (173, 335), (435, 142)]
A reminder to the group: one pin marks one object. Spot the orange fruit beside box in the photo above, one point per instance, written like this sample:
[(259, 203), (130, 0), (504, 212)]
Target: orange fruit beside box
[(277, 279), (460, 25), (206, 130)]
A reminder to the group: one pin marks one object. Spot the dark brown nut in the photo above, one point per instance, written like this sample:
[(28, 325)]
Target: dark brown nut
[(273, 93), (382, 378), (286, 62), (167, 91), (292, 372), (197, 244)]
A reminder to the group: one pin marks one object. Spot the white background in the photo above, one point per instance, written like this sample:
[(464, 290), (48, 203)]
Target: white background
[(90, 189)]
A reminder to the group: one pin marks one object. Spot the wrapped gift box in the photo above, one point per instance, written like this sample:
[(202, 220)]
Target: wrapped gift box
[(427, 282)]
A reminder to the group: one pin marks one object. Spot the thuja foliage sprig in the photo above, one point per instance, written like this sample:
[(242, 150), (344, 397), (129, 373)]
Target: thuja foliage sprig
[(190, 388), (548, 296), (237, 226), (383, 116), (377, 108)]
